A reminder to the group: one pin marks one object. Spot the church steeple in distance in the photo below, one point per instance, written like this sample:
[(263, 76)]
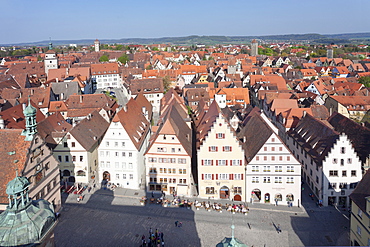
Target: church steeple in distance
[(31, 124)]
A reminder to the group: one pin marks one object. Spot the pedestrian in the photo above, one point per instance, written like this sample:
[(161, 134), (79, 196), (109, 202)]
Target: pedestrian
[(276, 201), (152, 194), (176, 223), (150, 232), (278, 228), (161, 235), (180, 224)]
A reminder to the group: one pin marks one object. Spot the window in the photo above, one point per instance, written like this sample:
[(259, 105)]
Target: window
[(255, 180), (266, 169), (342, 150), (65, 144), (73, 144), (207, 162), (124, 165), (290, 180), (107, 144), (278, 168), (182, 181), (123, 144), (226, 148), (317, 179), (210, 190), (124, 176), (223, 176), (116, 164), (117, 176), (255, 169), (108, 164), (266, 180), (213, 149), (333, 173), (273, 158), (344, 173), (151, 159), (335, 161), (353, 173), (236, 163), (173, 170), (152, 170), (280, 149), (332, 186), (102, 164), (66, 158), (207, 176), (290, 168), (161, 150), (264, 158), (264, 148), (107, 153), (116, 145), (220, 136), (131, 176), (288, 158), (129, 154), (278, 180), (181, 171), (221, 162), (181, 161), (257, 158), (172, 150), (272, 148), (116, 154), (60, 158), (238, 176), (102, 153), (349, 161), (342, 162), (359, 230), (342, 185), (73, 158), (280, 158), (237, 190)]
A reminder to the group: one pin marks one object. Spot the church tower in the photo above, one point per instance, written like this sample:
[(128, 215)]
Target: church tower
[(330, 52), (254, 48), (50, 61), (97, 45), (31, 124)]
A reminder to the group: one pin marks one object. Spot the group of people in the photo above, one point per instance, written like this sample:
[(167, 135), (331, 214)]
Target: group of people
[(233, 208), (155, 239)]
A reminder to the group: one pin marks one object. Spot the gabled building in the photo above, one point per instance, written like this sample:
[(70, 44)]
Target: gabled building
[(121, 152), (220, 158), (273, 175), (169, 155), (106, 75), (77, 151), (330, 165)]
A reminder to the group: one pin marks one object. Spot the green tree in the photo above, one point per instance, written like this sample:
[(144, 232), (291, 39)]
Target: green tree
[(123, 59), (365, 80), (104, 58)]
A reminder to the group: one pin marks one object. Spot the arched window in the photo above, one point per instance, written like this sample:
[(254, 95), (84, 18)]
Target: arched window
[(81, 173)]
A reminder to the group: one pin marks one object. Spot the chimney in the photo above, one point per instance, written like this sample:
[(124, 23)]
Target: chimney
[(304, 113), (81, 99)]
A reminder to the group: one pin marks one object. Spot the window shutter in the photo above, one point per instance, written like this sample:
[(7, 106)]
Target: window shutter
[(212, 162), (226, 162), (216, 162), (209, 149), (216, 176), (231, 176), (216, 149), (240, 162), (213, 178), (231, 163), (202, 176), (216, 136), (223, 136), (242, 176), (202, 162), (223, 148), (231, 148)]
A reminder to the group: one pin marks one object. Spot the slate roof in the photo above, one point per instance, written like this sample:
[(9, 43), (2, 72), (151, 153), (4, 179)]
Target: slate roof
[(362, 190), (90, 130)]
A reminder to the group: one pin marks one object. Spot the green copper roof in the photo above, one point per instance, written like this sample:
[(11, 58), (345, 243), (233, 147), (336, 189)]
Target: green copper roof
[(29, 110), (17, 185)]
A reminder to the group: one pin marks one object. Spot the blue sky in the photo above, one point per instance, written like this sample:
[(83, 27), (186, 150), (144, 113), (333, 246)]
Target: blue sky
[(37, 20)]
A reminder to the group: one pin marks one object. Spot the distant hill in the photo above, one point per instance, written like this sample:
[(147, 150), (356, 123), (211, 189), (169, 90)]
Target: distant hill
[(212, 40)]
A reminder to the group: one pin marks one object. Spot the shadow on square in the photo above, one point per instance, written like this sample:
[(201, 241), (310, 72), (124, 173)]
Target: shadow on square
[(99, 222)]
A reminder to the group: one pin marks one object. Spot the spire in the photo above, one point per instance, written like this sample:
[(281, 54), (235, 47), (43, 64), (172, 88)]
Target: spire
[(31, 125)]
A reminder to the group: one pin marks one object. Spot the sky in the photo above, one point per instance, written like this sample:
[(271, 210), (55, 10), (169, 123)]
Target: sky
[(39, 20)]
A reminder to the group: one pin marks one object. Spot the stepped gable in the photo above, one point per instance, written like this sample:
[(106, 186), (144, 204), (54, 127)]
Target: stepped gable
[(359, 135), (256, 132), (90, 130), (207, 121), (315, 136)]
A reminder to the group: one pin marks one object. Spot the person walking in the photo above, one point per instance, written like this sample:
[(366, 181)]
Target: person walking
[(278, 228), (176, 223)]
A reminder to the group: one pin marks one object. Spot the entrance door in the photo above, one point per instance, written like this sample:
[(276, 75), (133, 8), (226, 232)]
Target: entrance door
[(224, 192), (256, 195), (237, 198), (267, 198)]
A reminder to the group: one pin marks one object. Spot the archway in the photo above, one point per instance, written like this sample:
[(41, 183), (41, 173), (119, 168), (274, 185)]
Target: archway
[(224, 192), (237, 198), (106, 176), (267, 198), (81, 173), (66, 173), (71, 179), (278, 197), (289, 197), (256, 195)]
